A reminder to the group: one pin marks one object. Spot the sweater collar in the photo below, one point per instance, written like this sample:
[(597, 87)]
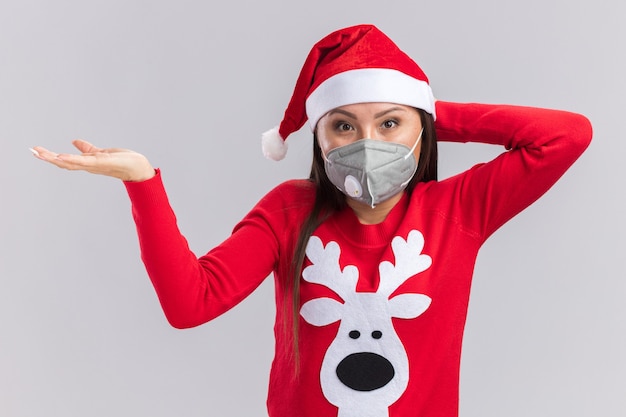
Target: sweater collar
[(347, 224)]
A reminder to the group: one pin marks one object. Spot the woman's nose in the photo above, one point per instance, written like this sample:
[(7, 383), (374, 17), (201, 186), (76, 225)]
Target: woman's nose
[(368, 132)]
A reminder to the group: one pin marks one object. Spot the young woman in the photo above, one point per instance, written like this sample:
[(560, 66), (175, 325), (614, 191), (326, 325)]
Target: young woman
[(372, 256)]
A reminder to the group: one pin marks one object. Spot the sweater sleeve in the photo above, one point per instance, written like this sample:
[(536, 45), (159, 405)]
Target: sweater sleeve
[(540, 145), (194, 290)]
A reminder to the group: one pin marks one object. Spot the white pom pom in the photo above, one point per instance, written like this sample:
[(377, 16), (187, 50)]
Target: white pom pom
[(274, 147)]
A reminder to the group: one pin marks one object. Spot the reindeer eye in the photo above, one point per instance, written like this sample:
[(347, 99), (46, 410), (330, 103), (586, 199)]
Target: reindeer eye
[(354, 334), (377, 334)]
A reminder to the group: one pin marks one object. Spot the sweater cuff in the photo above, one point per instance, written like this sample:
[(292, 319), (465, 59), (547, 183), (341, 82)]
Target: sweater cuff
[(146, 193)]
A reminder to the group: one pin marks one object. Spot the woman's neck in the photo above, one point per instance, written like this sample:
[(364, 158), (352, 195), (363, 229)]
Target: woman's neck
[(373, 215)]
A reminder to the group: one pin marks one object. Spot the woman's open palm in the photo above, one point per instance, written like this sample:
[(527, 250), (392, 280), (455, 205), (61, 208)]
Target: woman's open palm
[(119, 163)]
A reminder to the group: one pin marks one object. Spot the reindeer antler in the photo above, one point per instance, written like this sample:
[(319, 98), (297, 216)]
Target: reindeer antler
[(409, 261), (325, 268)]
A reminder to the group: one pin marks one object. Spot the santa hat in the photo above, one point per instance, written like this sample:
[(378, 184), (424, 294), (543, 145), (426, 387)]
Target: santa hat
[(358, 64)]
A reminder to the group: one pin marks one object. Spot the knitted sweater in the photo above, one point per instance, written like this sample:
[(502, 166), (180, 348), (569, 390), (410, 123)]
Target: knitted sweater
[(382, 307)]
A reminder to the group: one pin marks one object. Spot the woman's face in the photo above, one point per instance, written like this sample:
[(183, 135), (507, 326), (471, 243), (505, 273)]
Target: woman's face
[(381, 121)]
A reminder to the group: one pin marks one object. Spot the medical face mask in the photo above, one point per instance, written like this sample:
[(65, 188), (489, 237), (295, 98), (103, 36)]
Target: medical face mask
[(371, 171)]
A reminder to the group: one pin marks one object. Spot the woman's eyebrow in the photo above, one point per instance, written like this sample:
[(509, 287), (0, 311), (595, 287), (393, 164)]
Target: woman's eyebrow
[(345, 113), (384, 112), (377, 115)]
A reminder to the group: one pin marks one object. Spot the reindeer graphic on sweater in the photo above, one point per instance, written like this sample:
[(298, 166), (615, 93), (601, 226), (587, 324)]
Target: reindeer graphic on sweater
[(366, 367)]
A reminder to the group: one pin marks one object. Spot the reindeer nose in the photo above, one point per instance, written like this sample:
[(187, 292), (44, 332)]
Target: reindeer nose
[(365, 371)]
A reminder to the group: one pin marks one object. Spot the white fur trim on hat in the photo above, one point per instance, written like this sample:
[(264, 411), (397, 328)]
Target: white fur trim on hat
[(368, 85), (274, 147)]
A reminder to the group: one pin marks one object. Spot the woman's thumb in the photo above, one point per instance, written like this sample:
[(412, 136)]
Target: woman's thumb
[(84, 146)]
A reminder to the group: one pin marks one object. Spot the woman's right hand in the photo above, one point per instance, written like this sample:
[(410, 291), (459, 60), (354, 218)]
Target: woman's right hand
[(124, 164)]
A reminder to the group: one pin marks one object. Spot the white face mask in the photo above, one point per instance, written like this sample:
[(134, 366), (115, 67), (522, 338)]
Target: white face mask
[(371, 171)]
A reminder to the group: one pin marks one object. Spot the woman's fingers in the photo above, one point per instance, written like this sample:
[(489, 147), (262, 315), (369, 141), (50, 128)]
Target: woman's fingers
[(73, 162), (85, 147), (68, 161), (44, 154)]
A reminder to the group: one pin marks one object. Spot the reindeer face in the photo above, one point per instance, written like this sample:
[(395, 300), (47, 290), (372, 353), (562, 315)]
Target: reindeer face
[(366, 365)]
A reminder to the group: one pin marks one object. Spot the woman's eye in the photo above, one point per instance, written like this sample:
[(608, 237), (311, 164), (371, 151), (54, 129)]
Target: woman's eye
[(344, 127), (388, 124)]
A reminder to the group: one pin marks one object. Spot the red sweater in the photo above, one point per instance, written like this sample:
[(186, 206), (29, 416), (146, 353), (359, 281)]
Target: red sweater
[(381, 323)]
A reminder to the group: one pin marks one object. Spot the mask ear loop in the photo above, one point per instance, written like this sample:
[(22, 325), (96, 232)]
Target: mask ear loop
[(415, 145), (324, 154), (369, 187)]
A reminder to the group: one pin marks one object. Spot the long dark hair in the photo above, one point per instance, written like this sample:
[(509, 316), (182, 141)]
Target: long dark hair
[(328, 200)]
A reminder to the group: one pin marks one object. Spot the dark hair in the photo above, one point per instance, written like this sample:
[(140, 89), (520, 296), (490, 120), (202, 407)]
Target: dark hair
[(328, 199)]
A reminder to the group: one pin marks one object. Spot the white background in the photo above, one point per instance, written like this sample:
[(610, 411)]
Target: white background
[(192, 85)]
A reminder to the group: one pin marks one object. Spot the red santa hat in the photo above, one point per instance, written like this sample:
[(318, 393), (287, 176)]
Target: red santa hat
[(358, 64)]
